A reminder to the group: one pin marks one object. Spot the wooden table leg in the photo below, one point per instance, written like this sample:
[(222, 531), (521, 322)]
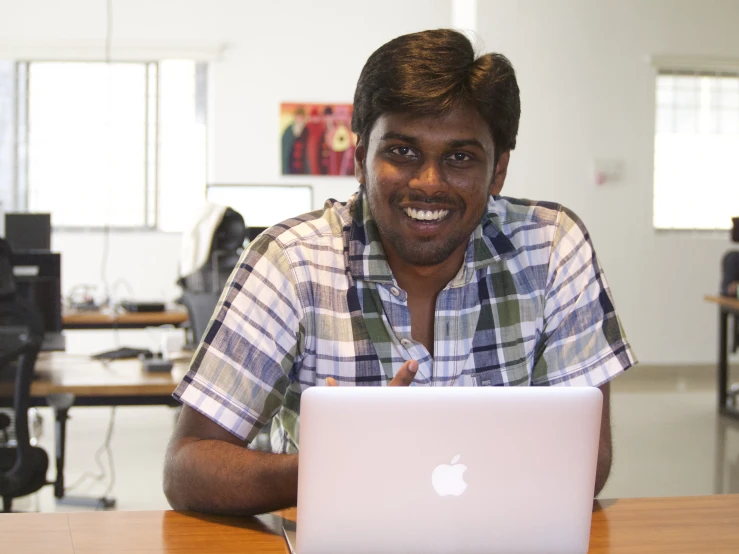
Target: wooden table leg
[(61, 416)]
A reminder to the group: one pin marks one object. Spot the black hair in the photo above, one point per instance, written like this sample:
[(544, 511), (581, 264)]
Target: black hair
[(432, 73)]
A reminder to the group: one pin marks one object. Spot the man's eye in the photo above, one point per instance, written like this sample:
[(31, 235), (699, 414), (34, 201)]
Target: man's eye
[(404, 151), (460, 157)]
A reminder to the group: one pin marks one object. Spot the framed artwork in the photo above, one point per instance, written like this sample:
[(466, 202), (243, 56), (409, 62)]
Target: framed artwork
[(317, 139)]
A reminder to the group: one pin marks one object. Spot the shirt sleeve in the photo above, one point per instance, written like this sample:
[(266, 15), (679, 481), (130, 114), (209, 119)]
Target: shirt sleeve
[(240, 371), (582, 342)]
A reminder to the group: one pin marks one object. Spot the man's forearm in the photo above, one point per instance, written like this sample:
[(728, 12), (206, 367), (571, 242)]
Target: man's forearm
[(219, 477), (603, 469), (605, 444)]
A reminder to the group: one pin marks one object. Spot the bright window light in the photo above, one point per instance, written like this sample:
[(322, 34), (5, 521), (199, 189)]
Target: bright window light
[(696, 174), (115, 144)]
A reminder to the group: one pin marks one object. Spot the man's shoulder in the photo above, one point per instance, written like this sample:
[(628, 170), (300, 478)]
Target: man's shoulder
[(535, 225), (326, 225), (521, 214), (523, 210)]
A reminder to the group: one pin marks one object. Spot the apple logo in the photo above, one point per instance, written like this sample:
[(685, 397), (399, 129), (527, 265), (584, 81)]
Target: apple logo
[(447, 480)]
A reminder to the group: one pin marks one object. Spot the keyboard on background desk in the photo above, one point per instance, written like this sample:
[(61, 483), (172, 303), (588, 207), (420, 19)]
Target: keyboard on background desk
[(142, 307), (123, 353)]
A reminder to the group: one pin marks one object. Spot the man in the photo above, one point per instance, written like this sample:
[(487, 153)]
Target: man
[(426, 276)]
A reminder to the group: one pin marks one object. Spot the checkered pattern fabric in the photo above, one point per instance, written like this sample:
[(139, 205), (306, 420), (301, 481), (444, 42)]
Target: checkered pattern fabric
[(314, 297)]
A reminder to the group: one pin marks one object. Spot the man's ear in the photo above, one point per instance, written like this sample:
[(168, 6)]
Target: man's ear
[(360, 154), (501, 170)]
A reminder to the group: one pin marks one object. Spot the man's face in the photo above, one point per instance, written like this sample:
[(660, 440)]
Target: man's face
[(428, 181)]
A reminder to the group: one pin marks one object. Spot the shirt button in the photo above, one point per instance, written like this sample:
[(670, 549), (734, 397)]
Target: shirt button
[(394, 291), (406, 343)]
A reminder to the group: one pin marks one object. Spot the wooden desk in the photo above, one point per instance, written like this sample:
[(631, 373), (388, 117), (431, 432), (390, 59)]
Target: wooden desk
[(726, 307), (125, 320), (96, 383), (642, 525)]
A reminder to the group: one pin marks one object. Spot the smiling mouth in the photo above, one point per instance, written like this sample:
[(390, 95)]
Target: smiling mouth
[(426, 216)]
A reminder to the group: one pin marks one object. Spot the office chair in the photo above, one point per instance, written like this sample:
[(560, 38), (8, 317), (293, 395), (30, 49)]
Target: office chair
[(730, 274), (218, 240), (729, 271), (223, 231), (22, 466)]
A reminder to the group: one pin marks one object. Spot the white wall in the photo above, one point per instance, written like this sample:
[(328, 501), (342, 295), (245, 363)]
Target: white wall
[(280, 50), (587, 92)]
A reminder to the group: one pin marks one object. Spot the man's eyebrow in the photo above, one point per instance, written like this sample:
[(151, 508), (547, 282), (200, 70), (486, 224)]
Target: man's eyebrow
[(466, 142), (393, 135), (459, 143)]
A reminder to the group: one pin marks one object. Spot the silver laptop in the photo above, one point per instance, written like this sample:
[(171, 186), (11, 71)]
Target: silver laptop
[(446, 469)]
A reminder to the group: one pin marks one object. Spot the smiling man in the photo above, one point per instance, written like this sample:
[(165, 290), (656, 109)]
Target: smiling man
[(426, 276)]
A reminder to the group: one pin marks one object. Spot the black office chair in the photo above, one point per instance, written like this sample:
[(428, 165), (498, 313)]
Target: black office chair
[(729, 275), (22, 466), (202, 288), (225, 248), (729, 271)]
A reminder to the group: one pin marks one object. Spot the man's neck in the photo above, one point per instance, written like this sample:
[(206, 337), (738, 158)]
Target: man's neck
[(425, 280)]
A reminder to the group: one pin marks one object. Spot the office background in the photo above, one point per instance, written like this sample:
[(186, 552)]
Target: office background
[(588, 94)]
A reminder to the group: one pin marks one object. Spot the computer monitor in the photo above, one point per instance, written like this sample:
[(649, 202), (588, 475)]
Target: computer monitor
[(26, 231), (38, 281)]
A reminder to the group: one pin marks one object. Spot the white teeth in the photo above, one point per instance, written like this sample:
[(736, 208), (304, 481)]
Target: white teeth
[(426, 215)]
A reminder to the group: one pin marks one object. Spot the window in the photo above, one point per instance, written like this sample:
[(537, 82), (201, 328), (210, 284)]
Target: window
[(108, 144), (7, 142), (696, 175)]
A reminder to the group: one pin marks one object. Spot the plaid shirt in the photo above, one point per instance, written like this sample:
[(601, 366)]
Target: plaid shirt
[(314, 297)]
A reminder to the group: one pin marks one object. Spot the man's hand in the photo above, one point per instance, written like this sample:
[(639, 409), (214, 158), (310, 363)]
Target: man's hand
[(403, 378)]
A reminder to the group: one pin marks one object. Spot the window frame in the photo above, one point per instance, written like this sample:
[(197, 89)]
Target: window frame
[(684, 65), (20, 186)]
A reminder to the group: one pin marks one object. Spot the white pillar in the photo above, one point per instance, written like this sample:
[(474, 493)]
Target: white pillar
[(464, 16)]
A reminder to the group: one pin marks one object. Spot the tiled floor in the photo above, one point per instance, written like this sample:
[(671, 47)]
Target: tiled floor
[(667, 441)]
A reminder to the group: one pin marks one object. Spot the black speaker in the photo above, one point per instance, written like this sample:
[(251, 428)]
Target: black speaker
[(735, 229)]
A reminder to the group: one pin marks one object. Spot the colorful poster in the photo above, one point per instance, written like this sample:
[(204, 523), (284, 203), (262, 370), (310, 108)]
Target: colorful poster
[(317, 139)]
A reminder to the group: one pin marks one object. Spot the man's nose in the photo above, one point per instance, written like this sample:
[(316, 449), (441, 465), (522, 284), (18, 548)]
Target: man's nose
[(428, 178)]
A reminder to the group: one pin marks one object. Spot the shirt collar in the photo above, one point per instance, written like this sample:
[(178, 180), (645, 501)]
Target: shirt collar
[(366, 256)]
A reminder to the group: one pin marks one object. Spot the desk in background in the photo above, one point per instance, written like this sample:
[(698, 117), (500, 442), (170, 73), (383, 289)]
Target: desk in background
[(95, 383), (637, 525), (726, 306), (126, 320)]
